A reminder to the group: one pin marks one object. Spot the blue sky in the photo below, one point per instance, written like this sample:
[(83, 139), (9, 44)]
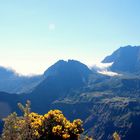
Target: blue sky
[(36, 33)]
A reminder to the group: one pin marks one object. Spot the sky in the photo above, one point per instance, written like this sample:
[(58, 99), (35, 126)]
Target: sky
[(34, 34)]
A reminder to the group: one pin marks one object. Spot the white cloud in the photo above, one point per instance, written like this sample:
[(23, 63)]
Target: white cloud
[(103, 68), (109, 73), (52, 26)]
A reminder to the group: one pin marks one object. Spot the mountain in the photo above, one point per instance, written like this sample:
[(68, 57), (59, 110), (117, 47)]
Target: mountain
[(60, 80), (73, 73), (12, 82), (104, 103), (125, 59)]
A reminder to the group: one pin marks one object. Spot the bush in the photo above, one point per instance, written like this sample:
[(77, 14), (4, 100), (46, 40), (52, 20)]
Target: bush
[(50, 126), (32, 126)]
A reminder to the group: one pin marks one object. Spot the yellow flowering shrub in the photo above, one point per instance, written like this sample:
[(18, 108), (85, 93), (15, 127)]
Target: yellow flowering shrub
[(57, 126), (116, 136), (50, 126), (32, 126)]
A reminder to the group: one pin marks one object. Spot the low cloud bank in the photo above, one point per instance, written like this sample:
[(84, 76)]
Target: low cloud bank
[(104, 68)]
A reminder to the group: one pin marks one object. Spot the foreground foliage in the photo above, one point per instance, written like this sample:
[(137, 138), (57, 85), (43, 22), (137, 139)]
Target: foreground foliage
[(50, 126), (32, 126)]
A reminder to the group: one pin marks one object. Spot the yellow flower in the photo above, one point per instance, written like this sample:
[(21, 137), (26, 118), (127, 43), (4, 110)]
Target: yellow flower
[(66, 136), (57, 130)]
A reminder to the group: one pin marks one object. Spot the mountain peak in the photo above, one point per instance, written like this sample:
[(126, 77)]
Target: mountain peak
[(69, 67), (125, 59), (65, 75)]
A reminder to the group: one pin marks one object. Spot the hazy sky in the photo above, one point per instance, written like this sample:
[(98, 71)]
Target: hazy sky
[(36, 33)]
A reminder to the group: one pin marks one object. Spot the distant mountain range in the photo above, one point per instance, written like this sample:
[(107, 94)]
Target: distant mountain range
[(105, 103), (126, 60), (12, 82)]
